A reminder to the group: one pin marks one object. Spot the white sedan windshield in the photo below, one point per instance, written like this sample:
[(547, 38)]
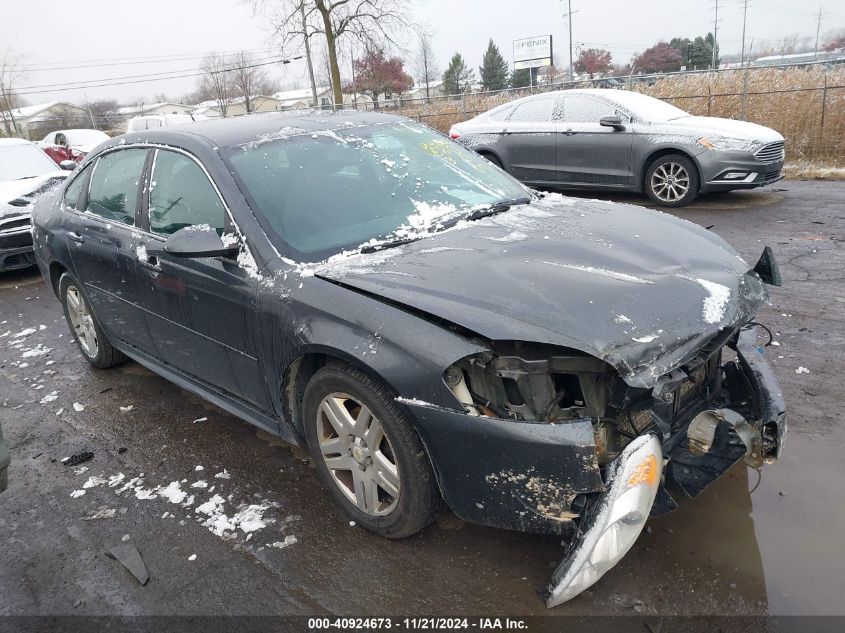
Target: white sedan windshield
[(24, 161)]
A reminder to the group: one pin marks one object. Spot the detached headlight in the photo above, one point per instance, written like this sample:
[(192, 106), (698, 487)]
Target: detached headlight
[(611, 530), (727, 144)]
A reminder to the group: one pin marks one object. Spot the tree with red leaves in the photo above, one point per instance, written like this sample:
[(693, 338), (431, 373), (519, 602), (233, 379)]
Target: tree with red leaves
[(835, 42), (660, 58), (376, 74), (593, 60)]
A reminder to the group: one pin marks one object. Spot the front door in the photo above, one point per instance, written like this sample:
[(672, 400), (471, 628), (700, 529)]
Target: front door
[(530, 141), (588, 153), (201, 311), (99, 221)]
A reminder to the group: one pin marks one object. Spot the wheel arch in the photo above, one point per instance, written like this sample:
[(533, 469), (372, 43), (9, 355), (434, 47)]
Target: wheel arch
[(56, 270), (666, 151), (300, 371)]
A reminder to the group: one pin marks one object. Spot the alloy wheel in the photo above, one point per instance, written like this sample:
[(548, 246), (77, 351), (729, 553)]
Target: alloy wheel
[(358, 454), (670, 182), (81, 321)]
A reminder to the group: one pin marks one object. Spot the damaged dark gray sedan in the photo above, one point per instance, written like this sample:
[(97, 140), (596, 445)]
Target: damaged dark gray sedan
[(432, 330)]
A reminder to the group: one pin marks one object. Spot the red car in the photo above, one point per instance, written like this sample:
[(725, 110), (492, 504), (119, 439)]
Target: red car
[(71, 144)]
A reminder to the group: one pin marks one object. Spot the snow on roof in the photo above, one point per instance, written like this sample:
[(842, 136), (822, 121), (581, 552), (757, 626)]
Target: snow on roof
[(300, 93), (25, 112), (148, 106)]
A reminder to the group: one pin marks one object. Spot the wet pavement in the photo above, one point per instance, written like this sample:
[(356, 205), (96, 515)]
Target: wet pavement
[(749, 545)]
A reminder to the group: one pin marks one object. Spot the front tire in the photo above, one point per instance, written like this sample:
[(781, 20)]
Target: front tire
[(672, 181), (367, 452), (89, 336)]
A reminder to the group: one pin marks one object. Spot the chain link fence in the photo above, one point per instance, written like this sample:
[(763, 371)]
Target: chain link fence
[(806, 103)]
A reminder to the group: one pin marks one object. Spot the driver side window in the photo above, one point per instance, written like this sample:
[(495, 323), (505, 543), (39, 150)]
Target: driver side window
[(181, 195)]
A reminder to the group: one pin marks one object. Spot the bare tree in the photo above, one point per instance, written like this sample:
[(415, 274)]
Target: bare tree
[(9, 100), (247, 79), (371, 23), (218, 80), (426, 62)]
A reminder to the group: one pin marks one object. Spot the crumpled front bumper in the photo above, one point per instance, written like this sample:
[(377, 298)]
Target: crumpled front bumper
[(696, 456)]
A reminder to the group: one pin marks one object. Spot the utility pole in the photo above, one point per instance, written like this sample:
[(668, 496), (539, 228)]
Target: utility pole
[(818, 28), (569, 13), (744, 13), (308, 53), (90, 115), (713, 63)]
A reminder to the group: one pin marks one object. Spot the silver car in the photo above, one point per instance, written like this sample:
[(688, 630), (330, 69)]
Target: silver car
[(623, 141)]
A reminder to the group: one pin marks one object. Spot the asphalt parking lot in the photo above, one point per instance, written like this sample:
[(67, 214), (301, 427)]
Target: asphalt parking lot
[(749, 545)]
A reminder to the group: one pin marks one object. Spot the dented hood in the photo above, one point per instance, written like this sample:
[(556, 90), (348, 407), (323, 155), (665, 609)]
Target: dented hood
[(640, 289)]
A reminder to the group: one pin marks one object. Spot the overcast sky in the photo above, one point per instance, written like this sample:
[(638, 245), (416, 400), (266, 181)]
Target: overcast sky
[(55, 40)]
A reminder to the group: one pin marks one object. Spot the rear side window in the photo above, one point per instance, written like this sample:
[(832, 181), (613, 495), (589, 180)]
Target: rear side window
[(535, 110), (181, 195), (115, 184), (74, 189)]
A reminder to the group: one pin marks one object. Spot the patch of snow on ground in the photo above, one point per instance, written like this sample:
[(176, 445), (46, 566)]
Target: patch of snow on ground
[(50, 397), (38, 350), (802, 370), (78, 407), (289, 540), (224, 474), (621, 318)]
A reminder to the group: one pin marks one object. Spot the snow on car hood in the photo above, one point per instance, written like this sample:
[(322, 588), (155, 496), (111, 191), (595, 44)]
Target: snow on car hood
[(729, 128), (12, 189), (640, 289)]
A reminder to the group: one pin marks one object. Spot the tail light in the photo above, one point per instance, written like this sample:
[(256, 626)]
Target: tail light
[(454, 134)]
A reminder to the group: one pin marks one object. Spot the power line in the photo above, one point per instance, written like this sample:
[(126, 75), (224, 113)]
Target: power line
[(139, 81), (120, 61), (143, 76)]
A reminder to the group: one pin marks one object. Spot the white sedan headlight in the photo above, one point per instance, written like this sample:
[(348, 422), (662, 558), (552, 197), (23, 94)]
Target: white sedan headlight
[(634, 479)]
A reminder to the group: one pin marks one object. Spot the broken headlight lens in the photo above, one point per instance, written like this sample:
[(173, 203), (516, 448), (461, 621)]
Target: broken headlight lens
[(617, 521)]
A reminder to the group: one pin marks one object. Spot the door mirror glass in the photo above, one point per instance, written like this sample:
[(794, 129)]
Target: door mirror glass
[(198, 241), (612, 121)]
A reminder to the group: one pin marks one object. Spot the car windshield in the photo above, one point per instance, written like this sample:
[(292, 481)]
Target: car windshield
[(318, 194), (85, 137), (24, 161), (645, 107)]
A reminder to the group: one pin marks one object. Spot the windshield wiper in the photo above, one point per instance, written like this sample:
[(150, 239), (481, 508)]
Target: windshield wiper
[(498, 207), (373, 248)]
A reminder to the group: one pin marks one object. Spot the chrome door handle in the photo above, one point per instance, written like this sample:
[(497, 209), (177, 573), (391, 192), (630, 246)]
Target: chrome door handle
[(73, 236)]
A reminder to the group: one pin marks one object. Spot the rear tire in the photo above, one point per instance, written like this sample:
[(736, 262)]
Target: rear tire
[(672, 181), (86, 330), (367, 452)]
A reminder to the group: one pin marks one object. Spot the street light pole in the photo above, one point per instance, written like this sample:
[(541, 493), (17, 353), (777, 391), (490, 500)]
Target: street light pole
[(569, 3)]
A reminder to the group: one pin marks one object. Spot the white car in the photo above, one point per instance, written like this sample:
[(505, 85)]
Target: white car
[(153, 121), (26, 172)]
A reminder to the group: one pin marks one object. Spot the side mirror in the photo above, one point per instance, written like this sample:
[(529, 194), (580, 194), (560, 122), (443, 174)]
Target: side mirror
[(767, 268), (198, 241), (612, 121), (68, 165)]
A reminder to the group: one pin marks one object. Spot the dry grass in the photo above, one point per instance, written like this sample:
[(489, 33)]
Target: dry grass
[(801, 170), (788, 100)]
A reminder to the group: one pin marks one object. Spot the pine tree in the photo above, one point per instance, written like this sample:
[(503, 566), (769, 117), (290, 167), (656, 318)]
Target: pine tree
[(493, 69), (458, 75)]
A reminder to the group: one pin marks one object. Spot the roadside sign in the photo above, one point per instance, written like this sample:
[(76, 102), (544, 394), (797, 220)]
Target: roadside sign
[(532, 52)]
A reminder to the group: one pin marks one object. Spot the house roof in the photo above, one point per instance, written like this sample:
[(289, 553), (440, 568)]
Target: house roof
[(26, 112), (148, 106)]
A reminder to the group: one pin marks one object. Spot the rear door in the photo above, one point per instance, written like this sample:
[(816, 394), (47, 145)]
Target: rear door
[(530, 141), (201, 312), (588, 153), (100, 208)]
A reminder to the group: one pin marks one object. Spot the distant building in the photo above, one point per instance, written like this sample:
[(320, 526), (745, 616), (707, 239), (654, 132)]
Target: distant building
[(435, 89), (36, 121)]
